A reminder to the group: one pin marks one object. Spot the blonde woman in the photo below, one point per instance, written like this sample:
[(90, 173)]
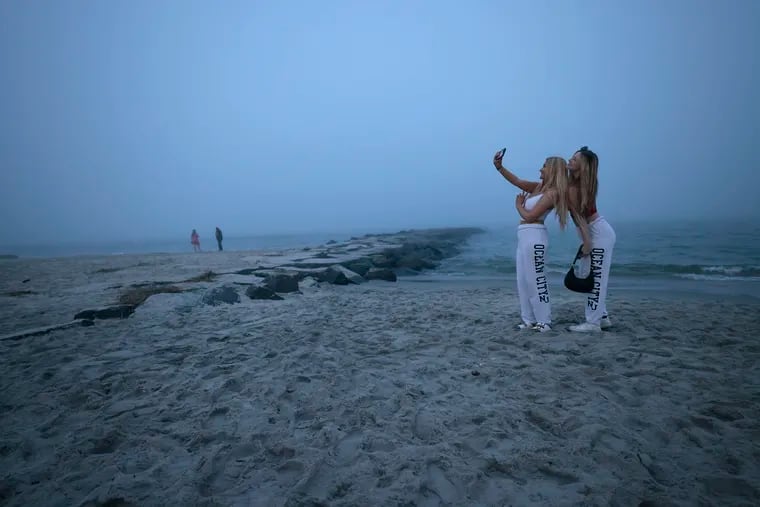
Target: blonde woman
[(535, 202), (597, 235)]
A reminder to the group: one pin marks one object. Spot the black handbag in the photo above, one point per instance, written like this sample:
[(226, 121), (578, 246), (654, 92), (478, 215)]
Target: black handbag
[(576, 284)]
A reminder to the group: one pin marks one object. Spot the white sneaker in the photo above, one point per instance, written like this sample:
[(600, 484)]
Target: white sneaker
[(542, 328), (586, 327), (606, 323), (523, 325)]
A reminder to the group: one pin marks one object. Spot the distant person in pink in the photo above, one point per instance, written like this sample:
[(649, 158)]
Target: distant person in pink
[(195, 240)]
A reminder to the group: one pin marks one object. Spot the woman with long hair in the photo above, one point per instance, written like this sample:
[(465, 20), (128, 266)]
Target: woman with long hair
[(597, 235), (535, 202)]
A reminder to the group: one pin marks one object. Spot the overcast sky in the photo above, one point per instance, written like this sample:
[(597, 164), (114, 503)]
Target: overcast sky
[(145, 119)]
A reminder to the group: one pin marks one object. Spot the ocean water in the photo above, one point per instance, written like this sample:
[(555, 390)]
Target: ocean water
[(698, 251), (721, 257)]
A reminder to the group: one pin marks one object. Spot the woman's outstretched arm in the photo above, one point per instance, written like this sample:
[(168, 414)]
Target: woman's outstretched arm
[(524, 185)]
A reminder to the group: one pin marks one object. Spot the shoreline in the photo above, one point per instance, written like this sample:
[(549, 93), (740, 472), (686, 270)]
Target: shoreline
[(113, 286)]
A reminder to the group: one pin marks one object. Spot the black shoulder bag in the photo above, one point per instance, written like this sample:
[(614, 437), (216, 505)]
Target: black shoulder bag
[(576, 284)]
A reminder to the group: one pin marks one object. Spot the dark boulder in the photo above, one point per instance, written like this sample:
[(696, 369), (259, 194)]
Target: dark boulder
[(384, 260), (333, 276), (111, 312), (352, 276), (221, 295), (261, 292), (358, 266), (86, 314), (282, 283)]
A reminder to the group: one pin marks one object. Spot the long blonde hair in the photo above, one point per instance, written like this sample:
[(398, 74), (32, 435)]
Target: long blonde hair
[(588, 169), (556, 180)]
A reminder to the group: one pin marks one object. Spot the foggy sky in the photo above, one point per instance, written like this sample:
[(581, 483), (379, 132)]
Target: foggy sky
[(143, 119)]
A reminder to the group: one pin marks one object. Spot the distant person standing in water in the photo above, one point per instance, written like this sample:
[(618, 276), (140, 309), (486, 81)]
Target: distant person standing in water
[(195, 240), (219, 238)]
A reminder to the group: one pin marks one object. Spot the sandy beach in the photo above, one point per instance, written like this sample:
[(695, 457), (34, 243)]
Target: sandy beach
[(403, 393)]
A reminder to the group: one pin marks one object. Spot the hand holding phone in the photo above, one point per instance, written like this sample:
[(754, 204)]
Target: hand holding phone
[(497, 158)]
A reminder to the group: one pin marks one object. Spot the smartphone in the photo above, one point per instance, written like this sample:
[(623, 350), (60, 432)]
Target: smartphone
[(502, 152)]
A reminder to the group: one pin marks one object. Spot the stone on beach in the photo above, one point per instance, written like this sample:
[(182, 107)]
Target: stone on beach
[(261, 292), (333, 276), (224, 294), (111, 312), (359, 266), (280, 282)]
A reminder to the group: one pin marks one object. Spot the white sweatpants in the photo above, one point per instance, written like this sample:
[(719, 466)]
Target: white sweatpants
[(532, 284), (602, 244)]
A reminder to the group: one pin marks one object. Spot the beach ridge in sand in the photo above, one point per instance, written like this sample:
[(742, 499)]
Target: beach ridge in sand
[(358, 260)]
